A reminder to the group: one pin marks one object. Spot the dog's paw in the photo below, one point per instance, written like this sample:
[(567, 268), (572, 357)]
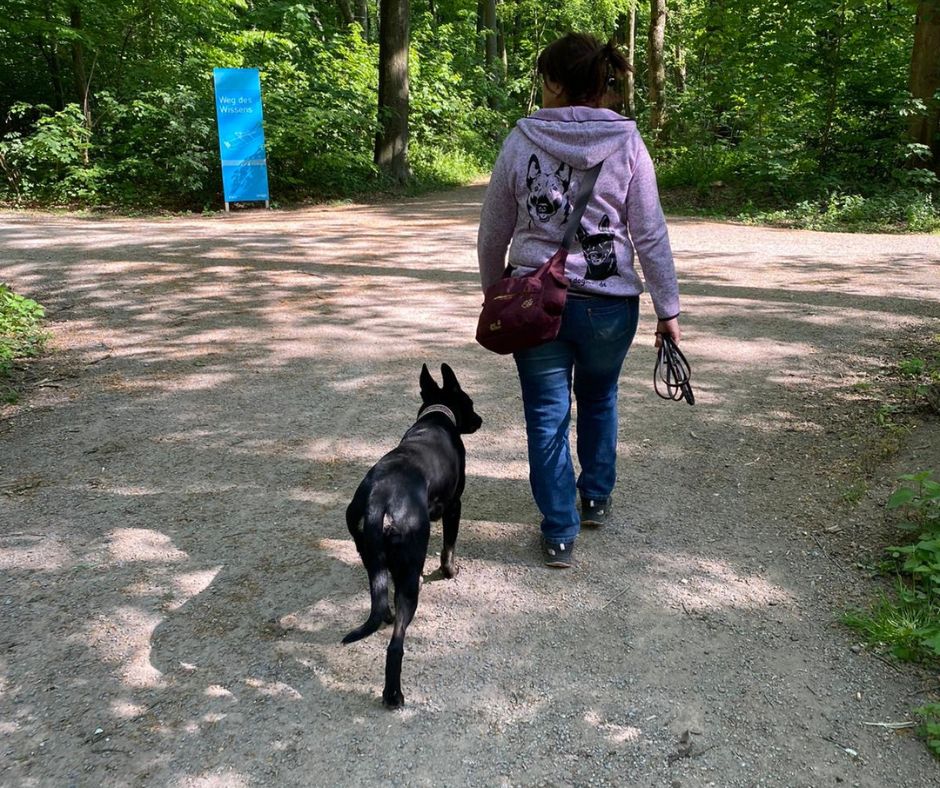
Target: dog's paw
[(450, 570), (393, 700)]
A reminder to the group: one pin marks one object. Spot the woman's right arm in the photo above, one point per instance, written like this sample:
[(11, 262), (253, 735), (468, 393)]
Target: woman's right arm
[(647, 227), (497, 222)]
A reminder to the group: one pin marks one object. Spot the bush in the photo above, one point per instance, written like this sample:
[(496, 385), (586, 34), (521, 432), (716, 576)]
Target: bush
[(50, 163), (320, 122), (160, 146), (20, 334)]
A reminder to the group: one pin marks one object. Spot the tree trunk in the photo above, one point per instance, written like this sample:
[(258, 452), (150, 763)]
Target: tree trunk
[(391, 144), (489, 25), (362, 17), (491, 47), (82, 82), (536, 82), (78, 53), (627, 38), (50, 53), (832, 63), (678, 53), (656, 68), (345, 11), (925, 79), (501, 49)]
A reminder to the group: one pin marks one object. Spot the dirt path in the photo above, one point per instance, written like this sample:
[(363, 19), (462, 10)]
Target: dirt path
[(177, 574)]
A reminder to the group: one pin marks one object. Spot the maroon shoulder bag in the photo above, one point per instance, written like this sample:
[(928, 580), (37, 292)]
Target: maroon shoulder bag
[(520, 312)]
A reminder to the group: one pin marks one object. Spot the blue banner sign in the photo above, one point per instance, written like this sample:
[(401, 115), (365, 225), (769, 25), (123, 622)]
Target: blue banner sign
[(241, 134)]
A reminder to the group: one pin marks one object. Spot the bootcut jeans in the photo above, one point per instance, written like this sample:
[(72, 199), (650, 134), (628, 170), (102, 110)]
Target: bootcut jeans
[(595, 335)]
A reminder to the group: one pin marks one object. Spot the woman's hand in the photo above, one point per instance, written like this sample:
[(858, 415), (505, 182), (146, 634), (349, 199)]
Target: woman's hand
[(670, 327)]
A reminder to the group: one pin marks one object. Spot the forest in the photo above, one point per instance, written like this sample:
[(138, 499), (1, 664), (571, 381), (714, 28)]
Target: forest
[(800, 112)]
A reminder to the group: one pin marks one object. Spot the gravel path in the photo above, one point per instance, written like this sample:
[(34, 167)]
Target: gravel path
[(177, 574)]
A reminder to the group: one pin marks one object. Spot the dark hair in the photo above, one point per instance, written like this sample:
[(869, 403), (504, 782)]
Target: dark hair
[(584, 67)]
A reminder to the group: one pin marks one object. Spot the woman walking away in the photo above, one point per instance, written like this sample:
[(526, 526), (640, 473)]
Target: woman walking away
[(537, 178)]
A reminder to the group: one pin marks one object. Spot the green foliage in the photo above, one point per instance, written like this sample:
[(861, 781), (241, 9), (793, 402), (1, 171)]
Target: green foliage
[(789, 191), (20, 332), (909, 626), (906, 630), (798, 110), (49, 163), (912, 366), (930, 725), (890, 211), (162, 139), (854, 492)]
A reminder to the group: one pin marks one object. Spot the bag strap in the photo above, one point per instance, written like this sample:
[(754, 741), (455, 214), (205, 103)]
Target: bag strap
[(590, 178)]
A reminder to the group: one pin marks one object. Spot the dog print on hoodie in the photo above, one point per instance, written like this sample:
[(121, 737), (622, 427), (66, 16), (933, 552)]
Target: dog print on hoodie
[(598, 251), (548, 191)]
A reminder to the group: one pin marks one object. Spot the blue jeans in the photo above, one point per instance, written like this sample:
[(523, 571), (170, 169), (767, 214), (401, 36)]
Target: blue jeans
[(595, 336)]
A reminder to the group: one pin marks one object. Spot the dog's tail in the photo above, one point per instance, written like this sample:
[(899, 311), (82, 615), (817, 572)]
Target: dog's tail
[(369, 525)]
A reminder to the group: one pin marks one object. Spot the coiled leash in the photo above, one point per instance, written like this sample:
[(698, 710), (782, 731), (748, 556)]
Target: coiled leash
[(673, 371)]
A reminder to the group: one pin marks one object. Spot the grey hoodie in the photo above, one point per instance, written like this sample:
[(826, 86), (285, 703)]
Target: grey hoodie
[(534, 184)]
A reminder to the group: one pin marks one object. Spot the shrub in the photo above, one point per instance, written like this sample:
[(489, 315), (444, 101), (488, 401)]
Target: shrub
[(20, 334), (50, 163)]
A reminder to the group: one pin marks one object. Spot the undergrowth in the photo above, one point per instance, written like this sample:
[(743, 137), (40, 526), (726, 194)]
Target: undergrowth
[(21, 335), (754, 188), (906, 623)]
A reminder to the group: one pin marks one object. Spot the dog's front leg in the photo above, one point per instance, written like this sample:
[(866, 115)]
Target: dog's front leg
[(451, 520)]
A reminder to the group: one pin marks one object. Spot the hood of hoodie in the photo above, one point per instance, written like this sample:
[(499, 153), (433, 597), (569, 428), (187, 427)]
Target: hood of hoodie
[(579, 136)]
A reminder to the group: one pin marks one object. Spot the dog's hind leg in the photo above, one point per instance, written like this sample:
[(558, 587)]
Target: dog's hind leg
[(406, 603), (378, 589), (451, 521), (406, 563)]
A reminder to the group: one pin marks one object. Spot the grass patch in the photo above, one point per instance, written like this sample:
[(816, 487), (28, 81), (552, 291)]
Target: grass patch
[(441, 169), (904, 630), (21, 335), (906, 624), (904, 621), (854, 492)]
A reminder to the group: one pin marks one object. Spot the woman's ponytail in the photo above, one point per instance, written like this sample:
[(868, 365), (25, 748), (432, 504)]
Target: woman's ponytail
[(584, 67)]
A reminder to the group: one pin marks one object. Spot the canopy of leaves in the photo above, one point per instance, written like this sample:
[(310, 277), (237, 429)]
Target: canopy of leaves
[(111, 100)]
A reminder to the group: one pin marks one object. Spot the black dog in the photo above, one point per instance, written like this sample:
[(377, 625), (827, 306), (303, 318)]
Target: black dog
[(390, 515)]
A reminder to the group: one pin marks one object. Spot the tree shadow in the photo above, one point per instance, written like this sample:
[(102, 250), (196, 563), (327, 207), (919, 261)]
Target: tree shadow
[(178, 567)]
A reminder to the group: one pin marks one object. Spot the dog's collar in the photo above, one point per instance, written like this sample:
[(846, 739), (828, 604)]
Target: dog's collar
[(438, 409)]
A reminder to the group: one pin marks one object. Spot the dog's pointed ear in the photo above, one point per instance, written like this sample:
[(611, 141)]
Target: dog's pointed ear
[(428, 384), (450, 379), (533, 171)]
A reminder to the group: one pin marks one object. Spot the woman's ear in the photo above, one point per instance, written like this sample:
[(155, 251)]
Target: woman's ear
[(553, 94), (552, 87)]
